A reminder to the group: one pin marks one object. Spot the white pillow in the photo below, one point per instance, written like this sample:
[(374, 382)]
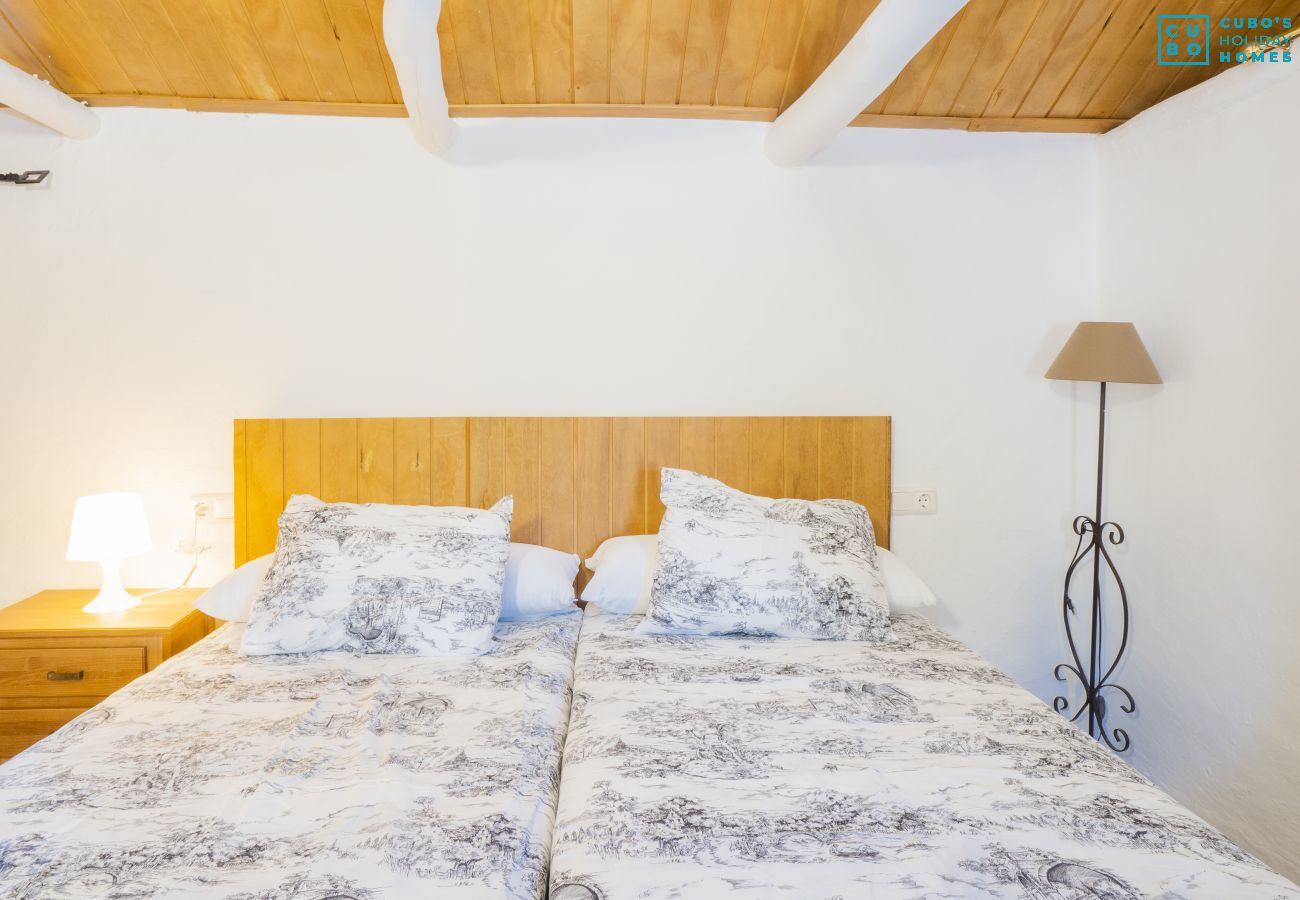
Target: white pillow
[(906, 589), (733, 563), (539, 582), (231, 598), (379, 578), (625, 568)]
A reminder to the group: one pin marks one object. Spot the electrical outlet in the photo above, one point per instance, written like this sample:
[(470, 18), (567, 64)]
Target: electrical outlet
[(214, 509), (916, 503)]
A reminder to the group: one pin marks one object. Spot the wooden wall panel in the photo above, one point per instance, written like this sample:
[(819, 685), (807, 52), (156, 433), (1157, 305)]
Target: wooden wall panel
[(374, 460), (338, 460), (449, 462), (767, 457), (412, 450), (627, 475), (556, 445), (264, 447), (575, 482), (523, 477), (663, 442), (591, 487), (302, 456)]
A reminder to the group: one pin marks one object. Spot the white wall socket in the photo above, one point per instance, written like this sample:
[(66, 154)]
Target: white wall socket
[(215, 509), (916, 503)]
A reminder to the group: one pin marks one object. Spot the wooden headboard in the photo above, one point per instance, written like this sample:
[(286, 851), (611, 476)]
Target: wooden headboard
[(575, 481)]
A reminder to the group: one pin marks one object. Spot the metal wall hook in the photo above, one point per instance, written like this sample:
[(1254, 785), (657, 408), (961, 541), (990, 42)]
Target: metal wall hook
[(35, 176)]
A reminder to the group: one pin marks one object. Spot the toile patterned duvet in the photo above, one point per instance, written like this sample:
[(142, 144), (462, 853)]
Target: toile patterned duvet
[(301, 777), (734, 767)]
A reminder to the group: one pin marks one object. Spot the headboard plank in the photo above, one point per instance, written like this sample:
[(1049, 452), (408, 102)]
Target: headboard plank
[(412, 450), (575, 481)]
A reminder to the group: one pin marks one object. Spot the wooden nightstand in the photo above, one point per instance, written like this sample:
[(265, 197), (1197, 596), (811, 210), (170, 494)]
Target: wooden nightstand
[(56, 661)]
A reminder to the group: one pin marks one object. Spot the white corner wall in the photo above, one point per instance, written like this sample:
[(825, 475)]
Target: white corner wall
[(1198, 246), (182, 270)]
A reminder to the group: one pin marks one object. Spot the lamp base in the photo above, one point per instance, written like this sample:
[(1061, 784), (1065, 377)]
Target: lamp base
[(112, 597)]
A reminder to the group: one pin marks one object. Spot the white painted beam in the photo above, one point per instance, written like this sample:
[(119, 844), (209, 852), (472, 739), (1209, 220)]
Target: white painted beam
[(887, 41), (411, 34), (46, 104)]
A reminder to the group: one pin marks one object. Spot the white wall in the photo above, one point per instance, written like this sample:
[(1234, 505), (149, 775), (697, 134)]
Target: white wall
[(183, 270), (1198, 247)]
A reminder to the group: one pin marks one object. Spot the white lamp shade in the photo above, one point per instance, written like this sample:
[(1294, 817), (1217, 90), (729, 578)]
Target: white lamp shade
[(108, 526)]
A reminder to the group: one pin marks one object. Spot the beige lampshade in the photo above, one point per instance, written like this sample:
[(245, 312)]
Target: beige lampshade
[(1104, 351)]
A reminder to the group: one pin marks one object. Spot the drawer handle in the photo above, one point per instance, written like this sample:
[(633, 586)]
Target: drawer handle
[(65, 676)]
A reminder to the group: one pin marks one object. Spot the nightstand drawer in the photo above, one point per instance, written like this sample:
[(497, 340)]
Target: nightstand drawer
[(68, 671), (20, 728)]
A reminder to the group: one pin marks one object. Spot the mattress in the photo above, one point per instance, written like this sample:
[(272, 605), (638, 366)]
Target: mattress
[(762, 768), (332, 775)]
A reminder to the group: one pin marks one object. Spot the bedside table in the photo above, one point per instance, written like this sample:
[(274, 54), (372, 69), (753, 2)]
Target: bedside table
[(56, 661)]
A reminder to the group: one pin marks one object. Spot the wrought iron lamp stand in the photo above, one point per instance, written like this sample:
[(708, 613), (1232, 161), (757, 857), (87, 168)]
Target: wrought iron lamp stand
[(1094, 677)]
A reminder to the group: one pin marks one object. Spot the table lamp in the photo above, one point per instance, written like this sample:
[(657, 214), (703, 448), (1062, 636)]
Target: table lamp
[(107, 528), (1102, 352)]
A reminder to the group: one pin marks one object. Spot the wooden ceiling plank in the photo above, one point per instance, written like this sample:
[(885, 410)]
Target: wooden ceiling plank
[(1138, 62), (169, 51), (1138, 82), (361, 49), (703, 56), (815, 49), (277, 35), (854, 17), (669, 24), (236, 33), (908, 89), (375, 11), (75, 42), (117, 34), (740, 45), (776, 52), (16, 50), (996, 55), (592, 51), (451, 69), (968, 39), (552, 29), (1133, 19), (472, 28), (1045, 33), (512, 41), (628, 45), (855, 13), (1084, 30), (1190, 76), (320, 50), (199, 36)]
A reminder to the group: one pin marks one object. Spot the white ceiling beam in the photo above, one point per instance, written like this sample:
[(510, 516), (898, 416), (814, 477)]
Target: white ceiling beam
[(411, 35), (887, 41), (46, 104)]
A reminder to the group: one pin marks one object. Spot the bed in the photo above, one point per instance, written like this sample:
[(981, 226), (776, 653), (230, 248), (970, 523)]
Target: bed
[(349, 776), (332, 775), (759, 768)]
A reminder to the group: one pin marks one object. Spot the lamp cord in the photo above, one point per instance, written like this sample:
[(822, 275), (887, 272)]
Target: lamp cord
[(196, 550)]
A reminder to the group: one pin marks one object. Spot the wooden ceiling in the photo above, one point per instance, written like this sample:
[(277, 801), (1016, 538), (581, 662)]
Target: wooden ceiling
[(1021, 65)]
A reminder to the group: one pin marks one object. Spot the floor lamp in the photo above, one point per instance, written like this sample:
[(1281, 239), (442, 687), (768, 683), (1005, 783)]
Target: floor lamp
[(1105, 352)]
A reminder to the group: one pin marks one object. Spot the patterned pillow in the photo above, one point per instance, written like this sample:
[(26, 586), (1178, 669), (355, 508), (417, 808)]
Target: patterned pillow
[(730, 563), (374, 578)]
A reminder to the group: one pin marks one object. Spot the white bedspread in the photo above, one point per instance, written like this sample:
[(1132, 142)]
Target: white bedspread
[(782, 768), (333, 775)]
